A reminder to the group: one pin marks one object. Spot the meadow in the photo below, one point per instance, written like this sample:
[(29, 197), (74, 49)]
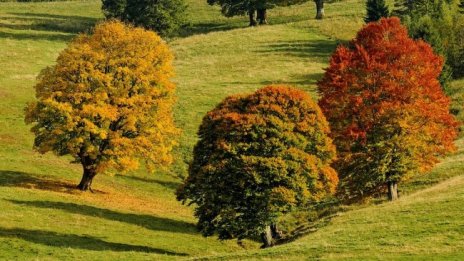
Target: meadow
[(135, 215)]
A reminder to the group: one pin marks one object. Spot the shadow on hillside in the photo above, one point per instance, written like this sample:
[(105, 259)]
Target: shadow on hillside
[(26, 180), (68, 26), (309, 79), (146, 221), (318, 49), (304, 230), (233, 23), (37, 37), (54, 239), (167, 184), (204, 28)]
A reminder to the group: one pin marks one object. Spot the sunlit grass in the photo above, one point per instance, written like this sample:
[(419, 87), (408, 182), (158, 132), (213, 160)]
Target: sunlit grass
[(135, 215)]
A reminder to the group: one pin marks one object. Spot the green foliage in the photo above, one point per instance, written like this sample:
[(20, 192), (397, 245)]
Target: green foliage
[(240, 7), (436, 22), (258, 156), (114, 8), (163, 16), (376, 9), (108, 226)]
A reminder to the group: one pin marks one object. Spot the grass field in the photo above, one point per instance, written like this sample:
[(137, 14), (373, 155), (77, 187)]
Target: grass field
[(135, 216)]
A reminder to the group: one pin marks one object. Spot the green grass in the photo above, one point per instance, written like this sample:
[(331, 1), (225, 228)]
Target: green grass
[(427, 225), (136, 216)]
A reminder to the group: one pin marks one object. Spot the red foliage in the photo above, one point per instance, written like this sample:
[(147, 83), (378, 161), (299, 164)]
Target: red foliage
[(384, 88)]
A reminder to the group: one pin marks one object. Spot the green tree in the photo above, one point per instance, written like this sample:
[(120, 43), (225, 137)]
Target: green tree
[(259, 156), (162, 16), (114, 9), (376, 9), (435, 22), (107, 102), (241, 7)]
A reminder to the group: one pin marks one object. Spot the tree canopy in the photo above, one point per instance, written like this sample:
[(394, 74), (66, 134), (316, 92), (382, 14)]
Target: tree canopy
[(439, 23), (107, 102), (388, 113), (162, 16), (259, 156), (241, 7), (375, 10)]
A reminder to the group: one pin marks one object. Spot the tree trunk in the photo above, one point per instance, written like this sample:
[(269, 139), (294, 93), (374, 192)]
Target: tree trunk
[(251, 14), (262, 16), (319, 9), (266, 237), (392, 190), (87, 178), (276, 233)]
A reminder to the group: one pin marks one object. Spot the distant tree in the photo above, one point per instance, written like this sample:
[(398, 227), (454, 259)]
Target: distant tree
[(376, 9), (162, 16), (258, 156), (435, 22), (388, 114), (107, 102), (114, 9), (241, 7), (421, 7)]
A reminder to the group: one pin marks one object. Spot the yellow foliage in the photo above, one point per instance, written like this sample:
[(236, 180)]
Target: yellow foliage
[(108, 100)]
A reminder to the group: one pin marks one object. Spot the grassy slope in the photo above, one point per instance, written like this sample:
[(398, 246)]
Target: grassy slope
[(425, 225), (136, 216)]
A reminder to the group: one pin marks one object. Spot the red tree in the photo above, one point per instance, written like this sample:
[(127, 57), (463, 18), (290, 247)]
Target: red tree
[(389, 116)]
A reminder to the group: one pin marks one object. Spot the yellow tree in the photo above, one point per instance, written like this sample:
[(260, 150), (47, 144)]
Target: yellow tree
[(107, 102)]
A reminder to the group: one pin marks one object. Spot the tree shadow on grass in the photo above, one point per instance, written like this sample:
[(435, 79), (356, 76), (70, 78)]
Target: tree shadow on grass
[(30, 181), (233, 23), (306, 229), (38, 26), (204, 28), (309, 79), (56, 23), (316, 49), (37, 36), (167, 184), (146, 221), (54, 239)]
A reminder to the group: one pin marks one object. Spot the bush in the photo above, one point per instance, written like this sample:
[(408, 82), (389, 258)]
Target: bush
[(258, 156)]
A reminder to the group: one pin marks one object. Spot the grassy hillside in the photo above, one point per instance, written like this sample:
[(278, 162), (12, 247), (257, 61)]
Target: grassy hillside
[(426, 225), (135, 216)]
